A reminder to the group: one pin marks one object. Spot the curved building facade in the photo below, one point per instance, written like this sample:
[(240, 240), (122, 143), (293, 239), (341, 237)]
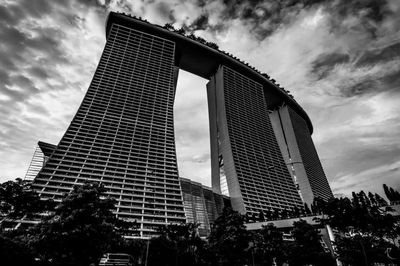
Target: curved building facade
[(123, 133)]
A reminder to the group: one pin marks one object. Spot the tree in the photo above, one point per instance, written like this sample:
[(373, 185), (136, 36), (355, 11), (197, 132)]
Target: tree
[(261, 217), (136, 248), (13, 253), (81, 229), (307, 209), (363, 227), (362, 250), (372, 199), (318, 205), (18, 200), (178, 244), (391, 194), (269, 245), (307, 238), (229, 238), (380, 201)]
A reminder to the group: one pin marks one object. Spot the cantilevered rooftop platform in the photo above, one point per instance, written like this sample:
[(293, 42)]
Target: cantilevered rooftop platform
[(202, 60)]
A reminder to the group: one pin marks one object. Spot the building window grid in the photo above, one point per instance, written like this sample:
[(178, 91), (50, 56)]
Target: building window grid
[(93, 123), (244, 99)]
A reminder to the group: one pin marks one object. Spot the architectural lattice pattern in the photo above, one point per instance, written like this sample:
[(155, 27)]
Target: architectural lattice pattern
[(40, 157), (257, 176), (123, 134), (315, 173), (202, 205)]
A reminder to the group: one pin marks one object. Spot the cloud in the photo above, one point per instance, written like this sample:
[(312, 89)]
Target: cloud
[(327, 62), (201, 23), (340, 59), (378, 55)]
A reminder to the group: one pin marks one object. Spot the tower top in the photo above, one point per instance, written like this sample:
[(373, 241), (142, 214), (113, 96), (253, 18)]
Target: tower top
[(203, 60)]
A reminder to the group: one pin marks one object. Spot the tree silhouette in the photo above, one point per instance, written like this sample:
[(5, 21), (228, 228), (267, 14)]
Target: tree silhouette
[(81, 229), (229, 238), (269, 245), (18, 200), (306, 248), (178, 244)]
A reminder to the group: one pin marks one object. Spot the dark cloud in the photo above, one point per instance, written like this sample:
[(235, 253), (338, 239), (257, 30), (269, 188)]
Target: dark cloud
[(165, 11), (371, 84), (369, 15), (201, 23), (38, 72), (392, 80), (326, 62), (266, 17), (378, 55), (370, 9), (23, 82), (386, 79), (36, 8), (18, 95), (10, 14), (95, 3), (39, 109), (367, 85), (394, 169), (29, 50)]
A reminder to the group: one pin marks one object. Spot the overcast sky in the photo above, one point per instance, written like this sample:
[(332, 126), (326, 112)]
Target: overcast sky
[(339, 58)]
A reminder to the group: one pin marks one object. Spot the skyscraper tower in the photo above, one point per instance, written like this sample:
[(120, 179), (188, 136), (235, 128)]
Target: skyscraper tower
[(42, 154), (300, 155), (123, 133), (244, 151)]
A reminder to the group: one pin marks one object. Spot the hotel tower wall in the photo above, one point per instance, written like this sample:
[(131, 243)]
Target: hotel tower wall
[(123, 132), (244, 145), (300, 155)]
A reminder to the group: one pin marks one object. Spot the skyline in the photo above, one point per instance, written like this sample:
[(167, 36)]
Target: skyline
[(345, 87)]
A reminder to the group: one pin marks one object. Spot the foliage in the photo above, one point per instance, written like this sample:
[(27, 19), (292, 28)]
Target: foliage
[(178, 244), (362, 250), (361, 214), (136, 248), (391, 194), (13, 253), (269, 245), (307, 238), (17, 200), (229, 238), (81, 229), (182, 31), (364, 227)]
